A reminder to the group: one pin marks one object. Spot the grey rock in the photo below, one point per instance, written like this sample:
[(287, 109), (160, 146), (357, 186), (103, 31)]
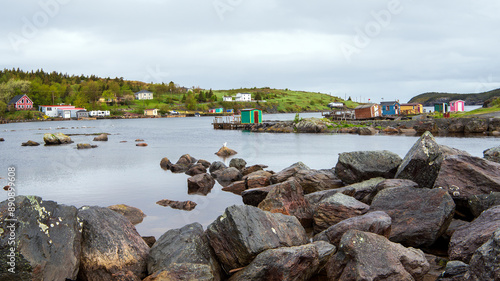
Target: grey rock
[(217, 165), (358, 166), (492, 154), (47, 236), (101, 137), (237, 163), (186, 248), (485, 263), (336, 208), (243, 232), (481, 203), (316, 180), (111, 246), (226, 176), (200, 184)]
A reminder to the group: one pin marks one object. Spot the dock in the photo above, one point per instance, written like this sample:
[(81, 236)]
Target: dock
[(228, 123)]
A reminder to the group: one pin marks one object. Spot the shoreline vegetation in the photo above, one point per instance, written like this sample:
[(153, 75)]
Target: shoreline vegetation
[(432, 215), (117, 96)]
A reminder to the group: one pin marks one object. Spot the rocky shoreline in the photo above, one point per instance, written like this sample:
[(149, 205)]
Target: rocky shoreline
[(473, 126), (432, 215)]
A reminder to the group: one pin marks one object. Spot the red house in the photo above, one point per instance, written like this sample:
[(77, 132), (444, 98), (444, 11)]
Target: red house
[(21, 102)]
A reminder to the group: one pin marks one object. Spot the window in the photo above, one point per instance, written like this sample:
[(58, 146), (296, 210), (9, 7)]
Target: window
[(387, 108)]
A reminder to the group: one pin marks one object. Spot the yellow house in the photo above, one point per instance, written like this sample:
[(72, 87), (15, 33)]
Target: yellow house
[(411, 108), (151, 112), (108, 100)]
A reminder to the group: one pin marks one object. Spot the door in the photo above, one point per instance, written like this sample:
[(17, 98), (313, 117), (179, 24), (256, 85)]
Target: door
[(256, 116)]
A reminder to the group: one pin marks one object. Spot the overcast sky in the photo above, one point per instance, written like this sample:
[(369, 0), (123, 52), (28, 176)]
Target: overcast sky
[(373, 49)]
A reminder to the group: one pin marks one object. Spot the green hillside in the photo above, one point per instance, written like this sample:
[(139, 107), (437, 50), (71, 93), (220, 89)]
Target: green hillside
[(428, 99)]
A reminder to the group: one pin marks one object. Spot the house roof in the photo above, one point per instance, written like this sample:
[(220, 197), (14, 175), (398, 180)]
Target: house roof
[(389, 102), (365, 105), (410, 104), (143, 92), (69, 106), (16, 99), (249, 109), (453, 101)]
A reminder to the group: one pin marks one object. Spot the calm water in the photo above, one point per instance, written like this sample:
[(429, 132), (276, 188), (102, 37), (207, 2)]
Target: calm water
[(121, 173)]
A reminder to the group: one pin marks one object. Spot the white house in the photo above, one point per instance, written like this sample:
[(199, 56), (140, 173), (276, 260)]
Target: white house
[(143, 95), (64, 111), (227, 98), (243, 97)]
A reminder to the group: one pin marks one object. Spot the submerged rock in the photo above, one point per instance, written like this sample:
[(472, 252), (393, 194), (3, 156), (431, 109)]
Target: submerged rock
[(85, 146), (180, 205), (30, 143), (57, 138), (101, 137), (225, 151), (200, 184), (141, 144)]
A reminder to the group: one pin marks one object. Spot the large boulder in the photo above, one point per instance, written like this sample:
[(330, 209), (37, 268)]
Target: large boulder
[(358, 190), (454, 271), (286, 263), (468, 238), (463, 176), (423, 161), (236, 187), (492, 154), (311, 125), (39, 240), (288, 198), (237, 163), (111, 246), (368, 256), (336, 208), (353, 167), (55, 139), (375, 222), (133, 214), (203, 162), (480, 203), (316, 180), (257, 179), (185, 248), (288, 172), (226, 176), (485, 263), (419, 216), (200, 184), (243, 232), (385, 184)]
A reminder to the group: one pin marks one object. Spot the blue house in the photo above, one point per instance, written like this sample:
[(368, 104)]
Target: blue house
[(390, 108)]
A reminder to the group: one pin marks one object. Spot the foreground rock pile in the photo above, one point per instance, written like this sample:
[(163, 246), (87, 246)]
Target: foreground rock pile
[(433, 215)]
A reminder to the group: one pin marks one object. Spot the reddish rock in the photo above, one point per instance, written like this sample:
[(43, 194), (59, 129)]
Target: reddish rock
[(257, 179), (254, 196), (368, 256), (360, 191), (463, 176), (375, 222), (142, 144), (419, 215), (253, 168), (336, 208), (165, 163), (180, 205), (288, 198), (468, 238), (236, 187), (225, 151), (288, 172), (200, 184), (101, 137)]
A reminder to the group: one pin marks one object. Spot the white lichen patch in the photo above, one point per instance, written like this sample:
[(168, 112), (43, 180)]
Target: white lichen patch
[(44, 228), (274, 230)]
